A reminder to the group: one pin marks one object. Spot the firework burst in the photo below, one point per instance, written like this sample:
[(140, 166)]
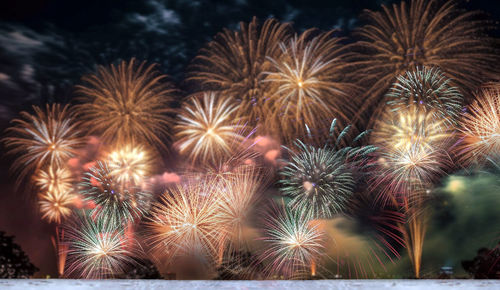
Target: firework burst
[(47, 138), (55, 205), (480, 131), (209, 128), (413, 150), (234, 63), (186, 221), (293, 243), (429, 89), (113, 201), (305, 83), (428, 33), (126, 103), (129, 164), (97, 248), (54, 179), (321, 180)]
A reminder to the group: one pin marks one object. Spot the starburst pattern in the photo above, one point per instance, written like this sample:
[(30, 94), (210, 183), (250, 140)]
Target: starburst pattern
[(480, 131), (306, 85), (97, 248), (293, 243), (208, 129), (430, 90), (321, 180), (127, 103), (55, 205), (54, 179), (129, 164), (430, 33), (113, 201), (234, 63), (47, 138)]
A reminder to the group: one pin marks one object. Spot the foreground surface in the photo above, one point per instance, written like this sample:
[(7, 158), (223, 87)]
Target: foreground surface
[(317, 284)]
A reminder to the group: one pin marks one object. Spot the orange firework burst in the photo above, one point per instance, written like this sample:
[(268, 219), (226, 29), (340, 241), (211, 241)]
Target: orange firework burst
[(425, 32), (56, 205), (186, 221), (47, 138), (126, 103), (208, 128), (305, 84), (481, 128), (234, 63)]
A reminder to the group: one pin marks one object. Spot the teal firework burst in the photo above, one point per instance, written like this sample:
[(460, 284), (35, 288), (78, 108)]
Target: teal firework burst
[(320, 181), (112, 199), (428, 89), (97, 248)]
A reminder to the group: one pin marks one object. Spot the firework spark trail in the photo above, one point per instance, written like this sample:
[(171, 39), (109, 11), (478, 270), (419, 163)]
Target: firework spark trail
[(430, 33), (97, 248), (305, 84), (126, 104), (54, 179), (321, 180), (430, 90), (208, 128), (234, 63), (480, 131), (292, 242), (113, 201), (47, 138)]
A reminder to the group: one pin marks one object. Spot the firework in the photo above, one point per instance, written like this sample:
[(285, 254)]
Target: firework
[(423, 33), (126, 103), (208, 128), (321, 180), (47, 138), (305, 83), (129, 164), (293, 243), (234, 63), (97, 248), (412, 149), (54, 179), (113, 201), (480, 131), (185, 221), (56, 205), (429, 89)]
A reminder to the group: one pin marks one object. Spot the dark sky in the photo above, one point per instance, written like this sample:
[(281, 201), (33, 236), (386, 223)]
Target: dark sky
[(46, 46)]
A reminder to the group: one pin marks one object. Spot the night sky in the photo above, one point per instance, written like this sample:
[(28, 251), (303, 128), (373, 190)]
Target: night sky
[(46, 46)]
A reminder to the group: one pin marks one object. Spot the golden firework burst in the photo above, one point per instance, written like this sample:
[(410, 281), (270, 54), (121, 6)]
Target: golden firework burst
[(129, 164), (424, 32), (234, 63), (126, 103), (305, 84), (55, 205), (54, 179), (208, 128), (47, 138)]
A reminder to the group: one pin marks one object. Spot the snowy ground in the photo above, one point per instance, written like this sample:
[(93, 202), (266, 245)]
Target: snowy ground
[(191, 285)]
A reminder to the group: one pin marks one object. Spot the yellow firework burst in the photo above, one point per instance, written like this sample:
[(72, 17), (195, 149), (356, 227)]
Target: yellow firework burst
[(208, 128), (480, 131), (54, 179), (129, 164), (413, 149), (55, 205), (234, 63), (47, 138), (186, 221), (430, 33), (126, 103), (305, 84)]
